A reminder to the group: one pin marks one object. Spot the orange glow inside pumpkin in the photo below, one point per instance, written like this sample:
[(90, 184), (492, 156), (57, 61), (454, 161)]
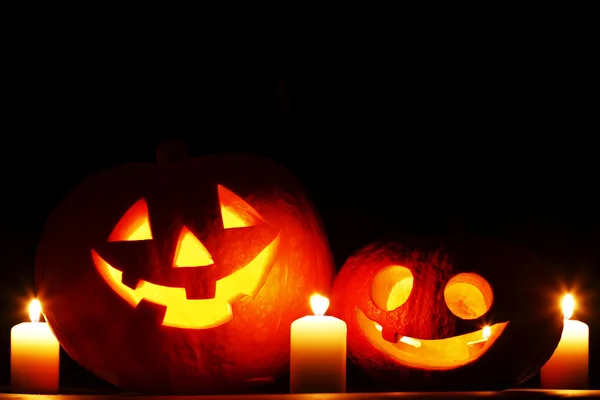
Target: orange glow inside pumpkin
[(235, 212), (134, 225), (182, 312), (190, 251), (391, 287), (467, 295)]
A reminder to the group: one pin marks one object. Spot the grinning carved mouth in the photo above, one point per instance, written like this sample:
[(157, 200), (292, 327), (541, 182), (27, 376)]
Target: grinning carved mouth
[(195, 314), (439, 354)]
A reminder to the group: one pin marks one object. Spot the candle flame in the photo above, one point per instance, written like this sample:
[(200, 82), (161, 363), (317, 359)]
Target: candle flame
[(35, 309), (486, 332), (319, 304), (568, 305)]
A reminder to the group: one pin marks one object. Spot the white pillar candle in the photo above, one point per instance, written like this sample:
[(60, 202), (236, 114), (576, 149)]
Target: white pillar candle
[(568, 366), (318, 351), (34, 355)]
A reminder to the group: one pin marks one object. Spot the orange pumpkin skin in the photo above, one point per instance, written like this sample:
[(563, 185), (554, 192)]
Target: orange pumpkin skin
[(128, 344), (522, 296)]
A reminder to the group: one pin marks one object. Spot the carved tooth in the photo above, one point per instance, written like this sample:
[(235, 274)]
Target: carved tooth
[(130, 280), (152, 312), (390, 335), (201, 291)]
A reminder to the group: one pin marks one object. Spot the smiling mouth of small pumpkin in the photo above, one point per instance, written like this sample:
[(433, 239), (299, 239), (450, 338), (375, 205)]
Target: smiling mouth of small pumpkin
[(445, 353), (182, 312)]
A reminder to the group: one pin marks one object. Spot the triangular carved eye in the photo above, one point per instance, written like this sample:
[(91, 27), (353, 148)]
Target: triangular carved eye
[(133, 225), (190, 251), (235, 212)]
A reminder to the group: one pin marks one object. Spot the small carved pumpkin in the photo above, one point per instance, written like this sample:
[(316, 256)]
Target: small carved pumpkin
[(183, 277), (430, 314)]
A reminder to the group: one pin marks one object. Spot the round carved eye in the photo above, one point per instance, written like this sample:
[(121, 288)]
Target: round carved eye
[(468, 295), (391, 287)]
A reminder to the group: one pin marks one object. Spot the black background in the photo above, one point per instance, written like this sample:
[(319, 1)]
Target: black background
[(483, 136)]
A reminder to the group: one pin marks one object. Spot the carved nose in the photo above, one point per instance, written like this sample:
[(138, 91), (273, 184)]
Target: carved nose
[(190, 251)]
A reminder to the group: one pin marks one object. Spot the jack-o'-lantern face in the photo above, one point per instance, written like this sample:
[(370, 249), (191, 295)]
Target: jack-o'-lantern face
[(446, 313), (468, 296), (140, 269), (182, 276)]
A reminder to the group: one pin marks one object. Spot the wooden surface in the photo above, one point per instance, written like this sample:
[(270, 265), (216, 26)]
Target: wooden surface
[(507, 394)]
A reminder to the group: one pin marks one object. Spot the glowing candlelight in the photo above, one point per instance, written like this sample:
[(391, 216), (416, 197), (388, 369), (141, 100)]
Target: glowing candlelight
[(319, 304), (568, 366), (485, 335), (475, 346), (35, 310), (34, 355), (318, 351)]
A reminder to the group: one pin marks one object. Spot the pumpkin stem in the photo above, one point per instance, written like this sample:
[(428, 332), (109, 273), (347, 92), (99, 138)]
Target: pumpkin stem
[(171, 151)]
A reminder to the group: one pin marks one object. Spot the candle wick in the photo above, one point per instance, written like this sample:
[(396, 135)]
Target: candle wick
[(476, 341)]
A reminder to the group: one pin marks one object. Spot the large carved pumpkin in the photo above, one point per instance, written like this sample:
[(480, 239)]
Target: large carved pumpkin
[(183, 277), (454, 314)]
